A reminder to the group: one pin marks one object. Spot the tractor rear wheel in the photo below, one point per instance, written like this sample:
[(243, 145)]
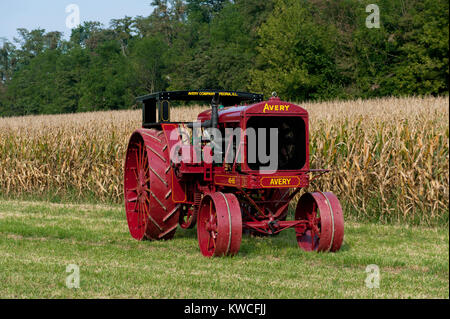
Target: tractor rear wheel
[(219, 226), (324, 221), (151, 213)]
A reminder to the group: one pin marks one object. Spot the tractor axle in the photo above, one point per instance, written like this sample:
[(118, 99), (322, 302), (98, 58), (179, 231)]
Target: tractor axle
[(268, 227)]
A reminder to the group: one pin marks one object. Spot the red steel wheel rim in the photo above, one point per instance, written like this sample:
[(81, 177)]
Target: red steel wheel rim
[(338, 219), (207, 228), (236, 223), (219, 226), (137, 188), (313, 208), (151, 212)]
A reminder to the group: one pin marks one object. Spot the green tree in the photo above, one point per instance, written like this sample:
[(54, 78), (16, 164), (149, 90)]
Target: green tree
[(91, 35), (232, 49), (35, 42), (422, 67), (7, 60), (296, 55), (408, 54), (303, 49), (32, 88), (122, 29), (148, 64), (105, 85)]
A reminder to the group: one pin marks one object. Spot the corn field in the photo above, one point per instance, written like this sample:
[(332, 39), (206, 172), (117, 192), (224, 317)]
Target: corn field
[(389, 157)]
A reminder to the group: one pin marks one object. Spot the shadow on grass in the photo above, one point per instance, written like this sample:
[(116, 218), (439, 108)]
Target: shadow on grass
[(186, 233), (345, 246)]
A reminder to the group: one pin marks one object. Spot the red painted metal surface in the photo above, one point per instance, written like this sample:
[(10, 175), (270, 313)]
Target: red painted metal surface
[(137, 181), (322, 215), (235, 113), (151, 213), (219, 225), (222, 199), (188, 216), (179, 189)]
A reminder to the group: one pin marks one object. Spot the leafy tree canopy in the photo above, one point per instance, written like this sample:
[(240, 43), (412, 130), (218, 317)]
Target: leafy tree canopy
[(303, 49)]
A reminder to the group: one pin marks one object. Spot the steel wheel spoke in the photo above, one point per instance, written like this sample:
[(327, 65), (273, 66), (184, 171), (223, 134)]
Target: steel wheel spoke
[(145, 163), (143, 157), (139, 214), (140, 157), (145, 214), (138, 167), (136, 176), (214, 241), (141, 218)]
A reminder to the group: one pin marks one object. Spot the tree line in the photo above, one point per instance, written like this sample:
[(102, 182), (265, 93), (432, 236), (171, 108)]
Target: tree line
[(302, 49)]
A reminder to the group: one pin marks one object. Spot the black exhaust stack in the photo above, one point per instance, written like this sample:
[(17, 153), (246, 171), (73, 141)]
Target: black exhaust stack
[(215, 111), (214, 121)]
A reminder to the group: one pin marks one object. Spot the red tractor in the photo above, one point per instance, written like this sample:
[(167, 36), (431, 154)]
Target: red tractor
[(216, 173)]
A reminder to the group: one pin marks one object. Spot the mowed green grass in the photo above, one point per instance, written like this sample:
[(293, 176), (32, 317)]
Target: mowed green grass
[(38, 240)]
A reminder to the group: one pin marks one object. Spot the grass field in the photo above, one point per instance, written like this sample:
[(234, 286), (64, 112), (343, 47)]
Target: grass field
[(390, 165), (38, 240)]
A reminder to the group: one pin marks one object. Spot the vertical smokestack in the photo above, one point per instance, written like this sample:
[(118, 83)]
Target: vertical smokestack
[(214, 111)]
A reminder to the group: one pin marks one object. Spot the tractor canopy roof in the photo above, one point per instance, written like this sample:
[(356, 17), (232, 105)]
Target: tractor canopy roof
[(226, 98)]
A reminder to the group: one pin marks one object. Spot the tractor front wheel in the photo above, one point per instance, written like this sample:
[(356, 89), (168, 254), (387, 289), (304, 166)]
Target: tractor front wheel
[(219, 226), (323, 227)]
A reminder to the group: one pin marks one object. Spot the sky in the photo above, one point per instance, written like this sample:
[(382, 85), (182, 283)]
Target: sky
[(51, 14)]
